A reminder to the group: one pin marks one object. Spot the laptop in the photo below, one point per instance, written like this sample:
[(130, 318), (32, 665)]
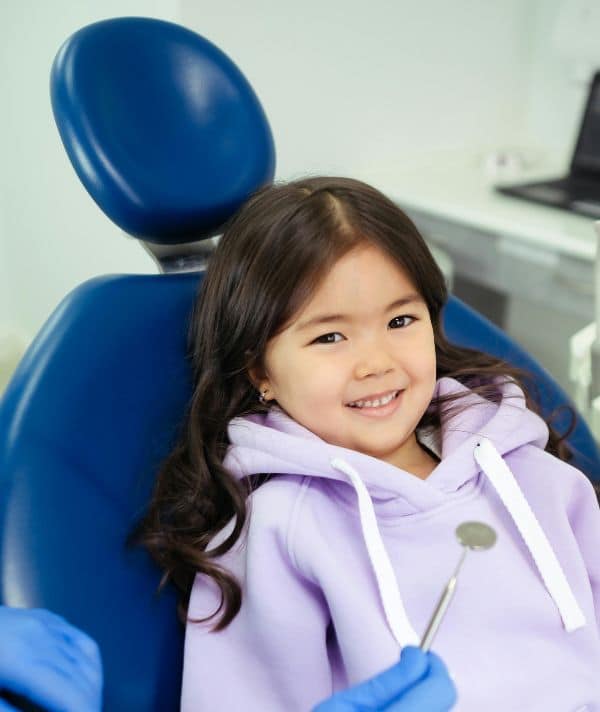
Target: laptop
[(579, 191)]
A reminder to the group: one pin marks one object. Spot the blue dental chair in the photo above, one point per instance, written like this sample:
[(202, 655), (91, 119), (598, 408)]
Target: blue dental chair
[(169, 139)]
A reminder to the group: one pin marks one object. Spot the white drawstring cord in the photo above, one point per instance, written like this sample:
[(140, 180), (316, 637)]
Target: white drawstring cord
[(393, 606), (503, 480)]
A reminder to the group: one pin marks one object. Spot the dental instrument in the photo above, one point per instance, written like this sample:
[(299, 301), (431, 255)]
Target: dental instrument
[(471, 535)]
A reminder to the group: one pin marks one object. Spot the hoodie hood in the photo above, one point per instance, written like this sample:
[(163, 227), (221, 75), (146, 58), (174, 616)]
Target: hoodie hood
[(275, 443), (469, 443)]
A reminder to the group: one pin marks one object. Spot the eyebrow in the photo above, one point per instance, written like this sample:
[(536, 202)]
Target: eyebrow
[(328, 318)]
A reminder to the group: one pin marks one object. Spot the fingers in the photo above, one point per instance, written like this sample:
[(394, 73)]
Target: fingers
[(57, 682), (49, 661), (69, 675), (61, 687), (65, 630), (377, 692), (395, 680), (435, 692)]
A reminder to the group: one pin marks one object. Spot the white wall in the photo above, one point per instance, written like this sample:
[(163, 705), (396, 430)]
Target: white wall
[(52, 235), (347, 83)]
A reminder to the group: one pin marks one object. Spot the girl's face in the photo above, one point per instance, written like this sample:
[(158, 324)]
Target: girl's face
[(376, 339)]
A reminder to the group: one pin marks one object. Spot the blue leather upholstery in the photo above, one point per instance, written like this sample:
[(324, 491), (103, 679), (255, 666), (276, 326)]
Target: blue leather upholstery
[(88, 415), (163, 129), (169, 139)]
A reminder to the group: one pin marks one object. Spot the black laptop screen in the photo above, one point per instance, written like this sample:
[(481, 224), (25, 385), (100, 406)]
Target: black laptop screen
[(587, 154)]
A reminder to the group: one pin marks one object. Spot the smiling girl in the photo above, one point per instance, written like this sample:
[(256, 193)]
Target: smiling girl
[(334, 441)]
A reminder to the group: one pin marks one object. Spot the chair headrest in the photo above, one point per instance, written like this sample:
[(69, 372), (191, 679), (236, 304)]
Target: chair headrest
[(163, 129)]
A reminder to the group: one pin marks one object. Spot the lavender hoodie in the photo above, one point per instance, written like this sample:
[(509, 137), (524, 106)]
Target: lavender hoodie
[(345, 557)]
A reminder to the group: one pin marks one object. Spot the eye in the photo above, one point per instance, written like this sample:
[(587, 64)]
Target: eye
[(325, 340), (403, 319)]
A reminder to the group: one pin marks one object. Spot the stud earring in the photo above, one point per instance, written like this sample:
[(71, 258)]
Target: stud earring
[(261, 396)]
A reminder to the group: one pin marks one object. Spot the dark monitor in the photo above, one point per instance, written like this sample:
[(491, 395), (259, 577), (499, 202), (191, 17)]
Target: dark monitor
[(586, 156)]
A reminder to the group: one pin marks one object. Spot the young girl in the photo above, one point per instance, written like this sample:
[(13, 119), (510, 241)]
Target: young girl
[(334, 442)]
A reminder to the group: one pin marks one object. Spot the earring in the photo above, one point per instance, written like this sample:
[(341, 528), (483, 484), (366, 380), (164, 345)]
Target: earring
[(261, 396)]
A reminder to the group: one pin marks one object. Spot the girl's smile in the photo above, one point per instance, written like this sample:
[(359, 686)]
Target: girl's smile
[(379, 407)]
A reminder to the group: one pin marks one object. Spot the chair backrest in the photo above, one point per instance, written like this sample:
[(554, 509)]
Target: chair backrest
[(162, 128)]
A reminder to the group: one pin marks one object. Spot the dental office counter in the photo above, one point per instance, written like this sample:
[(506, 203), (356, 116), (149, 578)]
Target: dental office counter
[(518, 248)]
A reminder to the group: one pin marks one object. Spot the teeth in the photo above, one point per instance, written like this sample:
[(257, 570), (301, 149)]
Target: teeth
[(375, 403)]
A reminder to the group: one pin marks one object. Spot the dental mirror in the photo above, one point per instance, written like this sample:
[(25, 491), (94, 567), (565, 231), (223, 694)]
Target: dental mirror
[(476, 536), (471, 535)]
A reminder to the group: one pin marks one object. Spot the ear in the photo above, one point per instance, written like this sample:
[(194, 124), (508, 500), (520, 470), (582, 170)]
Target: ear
[(256, 377)]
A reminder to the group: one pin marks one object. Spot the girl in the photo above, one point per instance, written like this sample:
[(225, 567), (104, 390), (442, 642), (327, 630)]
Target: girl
[(334, 442)]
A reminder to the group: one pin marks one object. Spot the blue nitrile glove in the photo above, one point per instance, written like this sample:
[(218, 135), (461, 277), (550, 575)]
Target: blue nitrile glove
[(48, 661), (419, 682)]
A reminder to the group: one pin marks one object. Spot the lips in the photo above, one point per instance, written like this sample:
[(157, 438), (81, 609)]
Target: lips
[(374, 397)]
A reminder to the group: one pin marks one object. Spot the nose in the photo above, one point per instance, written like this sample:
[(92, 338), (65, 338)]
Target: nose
[(373, 360)]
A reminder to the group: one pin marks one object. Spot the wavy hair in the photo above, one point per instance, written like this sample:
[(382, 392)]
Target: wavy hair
[(272, 256)]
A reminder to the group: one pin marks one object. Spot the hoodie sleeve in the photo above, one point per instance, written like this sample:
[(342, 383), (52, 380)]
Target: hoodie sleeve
[(273, 655), (585, 521)]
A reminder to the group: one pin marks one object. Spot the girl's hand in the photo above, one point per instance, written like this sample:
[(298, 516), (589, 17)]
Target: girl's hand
[(48, 661), (419, 682)]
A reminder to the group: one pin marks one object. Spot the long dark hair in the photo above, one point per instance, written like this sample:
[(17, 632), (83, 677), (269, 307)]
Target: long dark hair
[(272, 256)]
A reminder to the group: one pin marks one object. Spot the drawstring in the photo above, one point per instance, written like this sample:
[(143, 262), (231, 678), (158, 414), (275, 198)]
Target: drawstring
[(393, 606), (505, 484), (499, 474)]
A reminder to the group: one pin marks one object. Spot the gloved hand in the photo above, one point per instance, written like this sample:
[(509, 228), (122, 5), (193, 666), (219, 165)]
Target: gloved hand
[(419, 682), (48, 661)]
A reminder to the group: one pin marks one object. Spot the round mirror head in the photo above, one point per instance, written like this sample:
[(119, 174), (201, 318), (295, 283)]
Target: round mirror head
[(476, 536)]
